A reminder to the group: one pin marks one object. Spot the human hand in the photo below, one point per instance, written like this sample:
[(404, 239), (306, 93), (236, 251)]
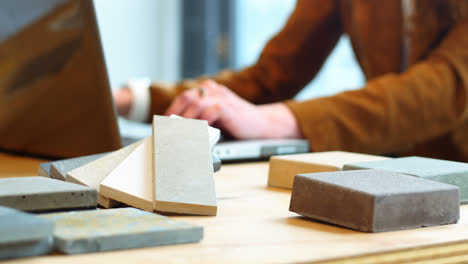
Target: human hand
[(123, 99), (224, 109)]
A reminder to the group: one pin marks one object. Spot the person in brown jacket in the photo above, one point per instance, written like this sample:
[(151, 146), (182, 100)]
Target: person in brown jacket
[(414, 55)]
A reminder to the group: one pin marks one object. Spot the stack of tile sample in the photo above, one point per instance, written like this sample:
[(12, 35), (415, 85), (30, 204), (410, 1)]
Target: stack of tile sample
[(171, 171), (376, 195)]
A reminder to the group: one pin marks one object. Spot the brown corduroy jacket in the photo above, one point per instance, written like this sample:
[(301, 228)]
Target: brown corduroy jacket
[(414, 54)]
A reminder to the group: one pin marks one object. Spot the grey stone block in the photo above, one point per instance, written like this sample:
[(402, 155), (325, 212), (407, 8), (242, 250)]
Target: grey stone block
[(17, 227), (43, 194), (374, 200), (23, 234), (60, 168), (216, 162), (450, 172), (112, 229), (44, 169), (26, 249)]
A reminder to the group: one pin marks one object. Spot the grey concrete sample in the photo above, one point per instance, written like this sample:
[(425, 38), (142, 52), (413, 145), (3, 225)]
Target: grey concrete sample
[(60, 168), (43, 194), (183, 168), (26, 249), (111, 229), (450, 172), (44, 169), (374, 200), (23, 234), (216, 162), (17, 227)]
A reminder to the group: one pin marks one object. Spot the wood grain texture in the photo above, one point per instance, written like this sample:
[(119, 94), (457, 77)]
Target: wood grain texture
[(284, 168), (92, 174), (131, 182), (254, 225), (183, 168)]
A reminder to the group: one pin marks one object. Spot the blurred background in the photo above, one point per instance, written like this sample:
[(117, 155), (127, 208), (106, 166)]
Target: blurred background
[(169, 40)]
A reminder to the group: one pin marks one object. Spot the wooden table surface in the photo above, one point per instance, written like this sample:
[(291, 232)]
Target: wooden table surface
[(254, 225)]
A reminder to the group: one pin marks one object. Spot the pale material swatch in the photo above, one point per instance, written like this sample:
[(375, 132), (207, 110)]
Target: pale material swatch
[(92, 174), (183, 168), (283, 168), (132, 180)]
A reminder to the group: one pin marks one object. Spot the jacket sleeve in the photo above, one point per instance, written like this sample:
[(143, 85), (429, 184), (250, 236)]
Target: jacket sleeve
[(394, 111), (287, 63)]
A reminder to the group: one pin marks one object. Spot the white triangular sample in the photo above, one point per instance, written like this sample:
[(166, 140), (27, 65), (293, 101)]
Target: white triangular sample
[(131, 181), (92, 174)]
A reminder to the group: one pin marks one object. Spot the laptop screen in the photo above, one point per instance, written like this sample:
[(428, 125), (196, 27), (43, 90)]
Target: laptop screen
[(55, 98)]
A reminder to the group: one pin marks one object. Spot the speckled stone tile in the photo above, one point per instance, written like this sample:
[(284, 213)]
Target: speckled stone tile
[(43, 194), (123, 228)]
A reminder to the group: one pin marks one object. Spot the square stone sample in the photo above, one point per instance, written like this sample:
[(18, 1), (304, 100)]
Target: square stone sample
[(43, 194), (23, 234), (283, 168), (374, 200), (450, 172), (60, 168), (112, 229)]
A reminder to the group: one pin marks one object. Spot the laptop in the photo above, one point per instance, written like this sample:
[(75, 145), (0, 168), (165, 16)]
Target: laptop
[(259, 149), (55, 96)]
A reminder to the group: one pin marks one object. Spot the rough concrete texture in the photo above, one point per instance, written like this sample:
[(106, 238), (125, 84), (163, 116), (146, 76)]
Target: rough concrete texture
[(44, 169), (450, 172), (112, 229), (374, 200), (17, 227), (60, 168), (26, 249), (43, 194), (23, 234)]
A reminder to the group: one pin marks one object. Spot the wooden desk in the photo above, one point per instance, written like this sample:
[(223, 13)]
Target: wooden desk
[(254, 225)]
